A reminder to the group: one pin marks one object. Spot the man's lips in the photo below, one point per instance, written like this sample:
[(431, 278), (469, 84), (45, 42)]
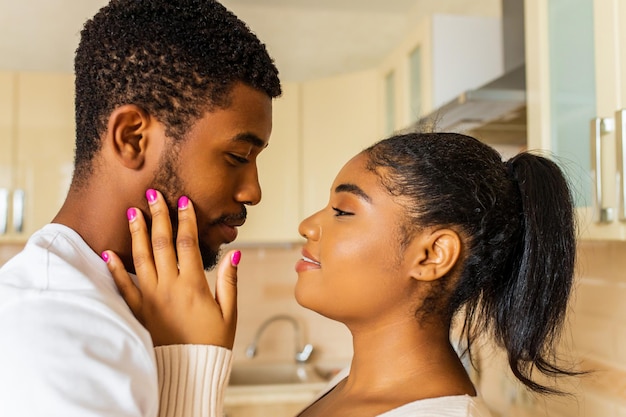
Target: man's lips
[(228, 225), (229, 233)]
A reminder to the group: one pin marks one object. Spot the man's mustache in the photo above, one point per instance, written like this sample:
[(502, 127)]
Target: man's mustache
[(230, 219)]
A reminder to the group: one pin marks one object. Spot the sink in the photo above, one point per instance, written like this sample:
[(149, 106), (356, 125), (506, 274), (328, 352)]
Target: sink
[(275, 374)]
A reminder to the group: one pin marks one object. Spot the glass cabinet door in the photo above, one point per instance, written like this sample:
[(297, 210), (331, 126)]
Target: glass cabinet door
[(572, 90), (573, 57)]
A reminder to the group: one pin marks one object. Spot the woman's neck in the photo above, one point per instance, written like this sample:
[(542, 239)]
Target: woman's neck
[(407, 358)]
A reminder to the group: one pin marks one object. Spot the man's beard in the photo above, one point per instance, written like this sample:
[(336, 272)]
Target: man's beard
[(167, 181), (208, 255)]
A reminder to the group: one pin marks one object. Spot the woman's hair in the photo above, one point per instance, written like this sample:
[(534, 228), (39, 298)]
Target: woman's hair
[(174, 58), (516, 223)]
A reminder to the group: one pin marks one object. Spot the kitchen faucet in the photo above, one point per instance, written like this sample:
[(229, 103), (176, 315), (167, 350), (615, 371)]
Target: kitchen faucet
[(302, 352)]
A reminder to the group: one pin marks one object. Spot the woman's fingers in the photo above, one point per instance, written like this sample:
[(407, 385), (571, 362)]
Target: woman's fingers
[(226, 290), (142, 249), (125, 285), (189, 257), (226, 285), (163, 251), (174, 300)]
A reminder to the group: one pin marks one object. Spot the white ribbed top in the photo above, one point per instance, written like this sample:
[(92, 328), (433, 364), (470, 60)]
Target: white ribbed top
[(192, 379)]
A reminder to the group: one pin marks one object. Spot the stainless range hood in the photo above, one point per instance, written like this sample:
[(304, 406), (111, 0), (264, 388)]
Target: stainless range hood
[(496, 111)]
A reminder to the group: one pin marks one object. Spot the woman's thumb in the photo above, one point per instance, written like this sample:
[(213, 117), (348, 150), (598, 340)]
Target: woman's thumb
[(226, 285)]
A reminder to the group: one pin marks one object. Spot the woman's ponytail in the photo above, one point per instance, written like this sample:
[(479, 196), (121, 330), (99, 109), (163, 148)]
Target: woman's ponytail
[(534, 300)]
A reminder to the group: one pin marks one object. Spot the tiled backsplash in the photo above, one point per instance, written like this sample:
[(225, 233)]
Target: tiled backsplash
[(595, 339)]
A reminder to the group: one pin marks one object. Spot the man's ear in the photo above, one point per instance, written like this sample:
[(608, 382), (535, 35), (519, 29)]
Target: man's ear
[(432, 254), (127, 134)]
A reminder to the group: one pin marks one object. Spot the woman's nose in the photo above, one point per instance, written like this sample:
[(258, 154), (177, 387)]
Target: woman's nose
[(309, 228)]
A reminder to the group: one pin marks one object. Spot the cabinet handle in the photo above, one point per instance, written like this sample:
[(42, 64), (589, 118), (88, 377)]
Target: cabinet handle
[(4, 210), (18, 211), (620, 121), (599, 126)]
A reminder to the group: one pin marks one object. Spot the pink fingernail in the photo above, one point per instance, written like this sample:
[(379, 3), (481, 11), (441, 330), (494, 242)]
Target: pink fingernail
[(183, 202), (131, 213), (151, 195), (105, 257), (235, 258)]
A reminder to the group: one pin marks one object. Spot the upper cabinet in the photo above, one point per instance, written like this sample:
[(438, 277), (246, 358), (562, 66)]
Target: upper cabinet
[(442, 57), (320, 124), (36, 149), (340, 117), (576, 65)]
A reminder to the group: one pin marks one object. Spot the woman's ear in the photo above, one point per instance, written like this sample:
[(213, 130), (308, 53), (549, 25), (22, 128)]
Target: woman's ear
[(433, 254), (127, 133)]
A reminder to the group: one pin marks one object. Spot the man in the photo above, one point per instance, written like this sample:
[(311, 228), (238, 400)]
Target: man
[(171, 95)]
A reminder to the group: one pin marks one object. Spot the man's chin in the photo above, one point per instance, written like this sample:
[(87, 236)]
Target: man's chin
[(209, 257)]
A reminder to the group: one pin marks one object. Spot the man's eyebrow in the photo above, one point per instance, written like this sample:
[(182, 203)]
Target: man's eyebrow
[(353, 189), (250, 138)]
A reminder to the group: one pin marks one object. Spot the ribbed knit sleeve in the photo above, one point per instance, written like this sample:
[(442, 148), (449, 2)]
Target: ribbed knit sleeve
[(192, 379)]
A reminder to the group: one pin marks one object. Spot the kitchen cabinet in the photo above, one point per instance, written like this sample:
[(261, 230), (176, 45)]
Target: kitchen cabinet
[(320, 124), (340, 117), (276, 218), (36, 149), (7, 110), (442, 57), (576, 68)]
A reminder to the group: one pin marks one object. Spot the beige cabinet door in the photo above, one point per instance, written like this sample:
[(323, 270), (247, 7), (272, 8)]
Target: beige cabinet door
[(318, 126), (575, 58), (44, 143), (7, 115), (340, 117), (275, 219)]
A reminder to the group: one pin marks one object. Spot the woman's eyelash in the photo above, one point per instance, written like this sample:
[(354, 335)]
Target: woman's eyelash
[(339, 212)]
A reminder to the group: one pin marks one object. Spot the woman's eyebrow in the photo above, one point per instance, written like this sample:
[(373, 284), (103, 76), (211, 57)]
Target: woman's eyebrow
[(353, 189)]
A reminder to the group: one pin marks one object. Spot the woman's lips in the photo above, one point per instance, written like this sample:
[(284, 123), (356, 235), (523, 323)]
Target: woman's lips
[(307, 264)]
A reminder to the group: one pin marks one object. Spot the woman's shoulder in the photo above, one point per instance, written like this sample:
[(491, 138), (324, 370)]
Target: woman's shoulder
[(452, 406)]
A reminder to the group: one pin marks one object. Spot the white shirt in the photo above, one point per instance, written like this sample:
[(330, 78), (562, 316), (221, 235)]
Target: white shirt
[(451, 406), (69, 345)]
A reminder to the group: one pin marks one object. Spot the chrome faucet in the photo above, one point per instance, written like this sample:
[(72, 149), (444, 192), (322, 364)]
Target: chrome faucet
[(302, 352)]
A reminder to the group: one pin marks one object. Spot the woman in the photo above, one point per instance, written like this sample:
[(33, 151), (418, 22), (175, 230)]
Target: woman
[(421, 229)]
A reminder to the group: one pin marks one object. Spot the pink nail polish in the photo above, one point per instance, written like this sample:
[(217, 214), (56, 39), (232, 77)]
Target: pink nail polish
[(151, 195), (105, 257), (235, 258), (131, 214), (183, 202)]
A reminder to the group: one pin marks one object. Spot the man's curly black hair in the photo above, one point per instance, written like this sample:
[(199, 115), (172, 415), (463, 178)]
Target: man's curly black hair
[(176, 59)]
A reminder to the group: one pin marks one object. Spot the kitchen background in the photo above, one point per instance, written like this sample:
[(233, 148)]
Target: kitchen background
[(539, 74)]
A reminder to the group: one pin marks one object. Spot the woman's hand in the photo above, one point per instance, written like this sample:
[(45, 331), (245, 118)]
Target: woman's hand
[(174, 300)]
